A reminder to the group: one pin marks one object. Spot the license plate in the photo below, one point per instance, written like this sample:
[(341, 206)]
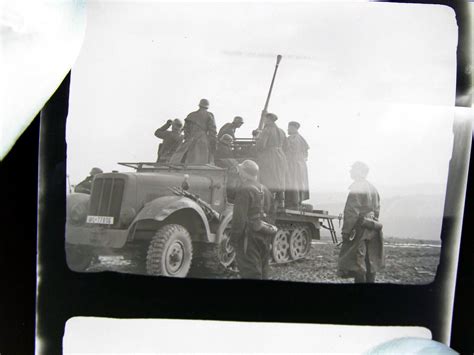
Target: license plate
[(100, 219)]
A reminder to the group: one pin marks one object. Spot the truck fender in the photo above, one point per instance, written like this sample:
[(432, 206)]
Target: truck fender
[(225, 220), (162, 207)]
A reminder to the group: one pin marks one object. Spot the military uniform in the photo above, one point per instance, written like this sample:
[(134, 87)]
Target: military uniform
[(253, 201), (85, 186), (229, 129), (199, 142), (171, 141), (271, 158), (362, 253), (224, 156), (297, 186)]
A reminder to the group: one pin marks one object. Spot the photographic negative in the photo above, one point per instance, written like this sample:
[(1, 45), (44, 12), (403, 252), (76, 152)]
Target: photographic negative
[(299, 142)]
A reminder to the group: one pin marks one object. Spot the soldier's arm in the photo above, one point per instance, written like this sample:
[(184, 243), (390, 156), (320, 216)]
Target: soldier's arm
[(262, 140), (351, 212), (187, 129), (83, 187), (269, 205), (212, 132), (377, 205), (239, 217), (285, 140), (222, 131), (162, 131)]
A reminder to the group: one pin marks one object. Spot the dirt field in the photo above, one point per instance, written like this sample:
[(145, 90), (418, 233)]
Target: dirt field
[(407, 262)]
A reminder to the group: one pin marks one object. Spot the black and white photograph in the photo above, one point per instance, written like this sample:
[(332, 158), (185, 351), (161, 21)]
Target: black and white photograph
[(286, 141), (236, 176)]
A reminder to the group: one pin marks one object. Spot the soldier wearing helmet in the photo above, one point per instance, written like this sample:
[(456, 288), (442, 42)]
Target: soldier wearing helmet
[(229, 128), (85, 186), (270, 146), (252, 209), (224, 148), (199, 144), (171, 139), (361, 254), (297, 186)]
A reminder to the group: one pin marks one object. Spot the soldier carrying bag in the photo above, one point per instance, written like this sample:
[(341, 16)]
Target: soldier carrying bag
[(258, 224), (371, 224), (367, 221)]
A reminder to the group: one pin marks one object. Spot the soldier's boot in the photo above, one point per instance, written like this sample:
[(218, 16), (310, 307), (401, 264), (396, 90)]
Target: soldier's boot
[(360, 278), (370, 277)]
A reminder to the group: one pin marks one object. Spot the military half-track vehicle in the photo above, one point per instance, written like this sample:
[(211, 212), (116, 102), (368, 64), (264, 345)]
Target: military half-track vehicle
[(169, 212)]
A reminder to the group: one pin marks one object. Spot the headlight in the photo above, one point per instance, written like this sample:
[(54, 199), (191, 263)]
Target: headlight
[(77, 207), (127, 215)]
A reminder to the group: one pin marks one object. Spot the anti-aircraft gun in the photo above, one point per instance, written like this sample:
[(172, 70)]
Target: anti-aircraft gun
[(171, 212), (297, 227)]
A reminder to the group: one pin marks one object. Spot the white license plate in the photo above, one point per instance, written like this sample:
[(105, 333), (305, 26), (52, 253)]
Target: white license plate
[(100, 219)]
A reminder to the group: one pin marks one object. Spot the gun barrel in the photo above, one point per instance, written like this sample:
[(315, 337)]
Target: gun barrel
[(207, 207), (264, 111)]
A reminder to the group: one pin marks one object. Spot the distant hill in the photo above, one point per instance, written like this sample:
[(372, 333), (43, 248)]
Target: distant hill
[(417, 216)]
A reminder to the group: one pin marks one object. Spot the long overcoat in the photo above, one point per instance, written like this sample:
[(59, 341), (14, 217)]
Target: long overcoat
[(361, 247), (224, 156), (271, 158), (199, 142), (297, 186)]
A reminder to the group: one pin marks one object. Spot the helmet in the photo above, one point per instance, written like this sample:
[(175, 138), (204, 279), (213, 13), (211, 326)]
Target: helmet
[(294, 124), (204, 103), (248, 169), (238, 119), (96, 171), (271, 116), (226, 139), (177, 123), (360, 169)]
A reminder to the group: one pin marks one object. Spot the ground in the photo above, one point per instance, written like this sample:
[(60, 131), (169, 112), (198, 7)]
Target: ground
[(407, 262)]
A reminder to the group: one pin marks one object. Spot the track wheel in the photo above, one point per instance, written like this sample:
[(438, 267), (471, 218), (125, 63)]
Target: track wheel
[(281, 246), (170, 252), (78, 258), (226, 252), (300, 242)]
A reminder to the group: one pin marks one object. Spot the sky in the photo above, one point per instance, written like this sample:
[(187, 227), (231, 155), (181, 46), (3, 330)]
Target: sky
[(367, 81)]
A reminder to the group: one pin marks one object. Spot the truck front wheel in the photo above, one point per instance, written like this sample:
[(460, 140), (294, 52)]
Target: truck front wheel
[(170, 252)]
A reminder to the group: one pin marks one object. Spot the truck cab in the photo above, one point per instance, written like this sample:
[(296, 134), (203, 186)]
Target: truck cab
[(142, 208)]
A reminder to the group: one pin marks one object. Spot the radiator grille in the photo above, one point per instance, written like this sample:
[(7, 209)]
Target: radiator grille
[(106, 197)]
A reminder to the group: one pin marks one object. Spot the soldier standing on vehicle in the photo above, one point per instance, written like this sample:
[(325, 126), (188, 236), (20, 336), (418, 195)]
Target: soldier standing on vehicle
[(252, 209), (199, 142), (361, 254), (171, 139), (229, 128), (224, 154), (85, 186), (271, 159), (297, 186)]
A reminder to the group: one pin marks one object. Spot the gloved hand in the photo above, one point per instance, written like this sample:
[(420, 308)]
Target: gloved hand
[(169, 122)]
